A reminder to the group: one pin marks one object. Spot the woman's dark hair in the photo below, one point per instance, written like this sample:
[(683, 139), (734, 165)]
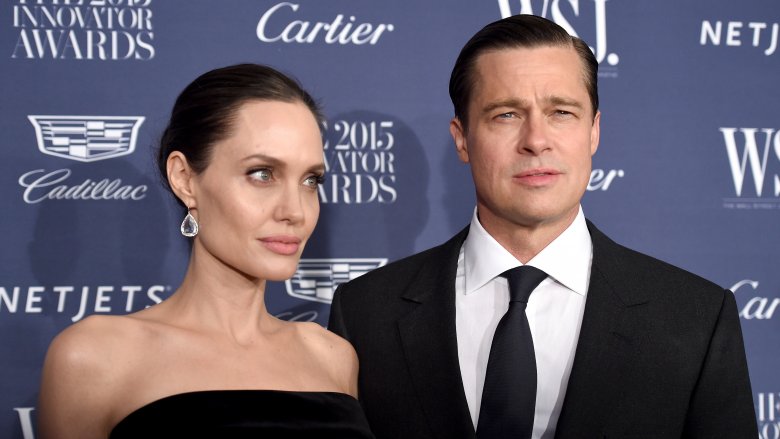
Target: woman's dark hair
[(527, 31), (205, 110)]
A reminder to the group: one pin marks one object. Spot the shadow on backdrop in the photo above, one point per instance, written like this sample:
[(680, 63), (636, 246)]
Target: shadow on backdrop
[(459, 196), (373, 204), (91, 243)]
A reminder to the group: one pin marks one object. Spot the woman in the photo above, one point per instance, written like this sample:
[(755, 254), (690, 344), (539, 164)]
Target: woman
[(243, 154)]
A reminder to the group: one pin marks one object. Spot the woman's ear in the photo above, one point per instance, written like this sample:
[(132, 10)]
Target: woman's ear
[(181, 177)]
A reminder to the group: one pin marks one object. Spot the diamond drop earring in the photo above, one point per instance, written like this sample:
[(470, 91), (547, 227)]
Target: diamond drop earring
[(189, 227)]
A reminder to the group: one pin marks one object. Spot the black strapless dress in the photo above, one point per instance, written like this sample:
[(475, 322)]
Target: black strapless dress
[(247, 414)]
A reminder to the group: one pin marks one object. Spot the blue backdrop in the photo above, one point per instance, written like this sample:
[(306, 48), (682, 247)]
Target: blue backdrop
[(688, 169)]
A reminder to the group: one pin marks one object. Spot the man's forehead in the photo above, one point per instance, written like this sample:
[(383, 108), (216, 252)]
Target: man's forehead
[(490, 66), (519, 54)]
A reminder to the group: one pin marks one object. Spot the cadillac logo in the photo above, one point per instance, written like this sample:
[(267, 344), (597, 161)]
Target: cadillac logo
[(317, 279), (86, 138)]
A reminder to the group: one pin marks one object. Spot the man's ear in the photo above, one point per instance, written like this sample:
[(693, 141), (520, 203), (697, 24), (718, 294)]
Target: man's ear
[(595, 133), (459, 136), (181, 178)]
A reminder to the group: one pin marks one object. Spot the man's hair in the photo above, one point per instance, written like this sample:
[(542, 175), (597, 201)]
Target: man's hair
[(518, 31)]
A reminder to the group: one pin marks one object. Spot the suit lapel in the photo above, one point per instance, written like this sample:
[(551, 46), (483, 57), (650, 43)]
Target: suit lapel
[(602, 363), (606, 347), (429, 340)]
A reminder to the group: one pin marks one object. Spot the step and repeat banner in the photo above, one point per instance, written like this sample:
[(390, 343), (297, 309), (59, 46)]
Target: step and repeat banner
[(688, 169)]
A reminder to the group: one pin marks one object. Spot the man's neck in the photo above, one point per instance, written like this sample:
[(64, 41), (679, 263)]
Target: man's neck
[(524, 241)]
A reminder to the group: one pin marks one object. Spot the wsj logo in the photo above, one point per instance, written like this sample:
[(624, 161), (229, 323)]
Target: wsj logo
[(551, 9), (276, 24), (758, 307), (760, 35), (768, 415), (752, 151), (86, 138), (83, 29), (317, 279)]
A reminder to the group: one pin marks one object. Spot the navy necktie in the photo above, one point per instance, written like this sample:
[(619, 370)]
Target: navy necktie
[(509, 394)]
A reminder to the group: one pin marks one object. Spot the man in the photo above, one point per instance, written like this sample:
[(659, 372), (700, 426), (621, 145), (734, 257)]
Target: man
[(623, 345)]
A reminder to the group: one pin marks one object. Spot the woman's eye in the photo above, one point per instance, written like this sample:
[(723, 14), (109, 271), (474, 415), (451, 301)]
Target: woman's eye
[(313, 181), (261, 174)]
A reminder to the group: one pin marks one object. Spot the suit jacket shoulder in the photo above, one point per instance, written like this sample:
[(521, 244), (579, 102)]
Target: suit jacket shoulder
[(398, 277), (656, 339), (401, 320), (639, 277)]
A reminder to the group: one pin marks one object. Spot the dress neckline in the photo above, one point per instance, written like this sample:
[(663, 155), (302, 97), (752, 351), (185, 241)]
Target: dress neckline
[(242, 391), (255, 410)]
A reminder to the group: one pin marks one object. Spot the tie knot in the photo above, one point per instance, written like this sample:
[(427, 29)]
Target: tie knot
[(523, 280)]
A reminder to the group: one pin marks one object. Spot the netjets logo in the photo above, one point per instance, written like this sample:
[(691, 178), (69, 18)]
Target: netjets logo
[(564, 16), (753, 34), (754, 160), (86, 138), (317, 279)]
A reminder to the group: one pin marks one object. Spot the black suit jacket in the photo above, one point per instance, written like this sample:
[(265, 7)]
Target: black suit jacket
[(660, 352)]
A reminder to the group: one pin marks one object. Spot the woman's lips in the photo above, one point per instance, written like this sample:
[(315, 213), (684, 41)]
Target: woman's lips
[(283, 245)]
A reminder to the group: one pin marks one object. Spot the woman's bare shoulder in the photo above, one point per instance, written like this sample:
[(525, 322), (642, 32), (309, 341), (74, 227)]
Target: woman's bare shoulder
[(337, 355), (83, 367), (91, 342)]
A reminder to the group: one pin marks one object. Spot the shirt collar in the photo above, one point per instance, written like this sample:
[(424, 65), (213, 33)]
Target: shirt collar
[(566, 259)]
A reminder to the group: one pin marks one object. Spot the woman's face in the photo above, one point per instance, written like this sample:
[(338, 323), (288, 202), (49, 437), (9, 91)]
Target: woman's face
[(257, 202)]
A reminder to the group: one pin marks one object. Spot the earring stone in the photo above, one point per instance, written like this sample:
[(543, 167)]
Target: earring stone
[(189, 227)]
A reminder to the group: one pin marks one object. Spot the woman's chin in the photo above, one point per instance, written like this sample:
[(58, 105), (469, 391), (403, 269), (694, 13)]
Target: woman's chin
[(280, 275)]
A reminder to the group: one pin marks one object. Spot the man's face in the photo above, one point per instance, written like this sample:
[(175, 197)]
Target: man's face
[(530, 137)]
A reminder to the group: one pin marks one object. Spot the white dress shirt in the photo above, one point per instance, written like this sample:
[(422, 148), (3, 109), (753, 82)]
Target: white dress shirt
[(554, 312)]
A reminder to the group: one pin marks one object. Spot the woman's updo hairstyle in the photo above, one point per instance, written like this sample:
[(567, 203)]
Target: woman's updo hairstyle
[(205, 110)]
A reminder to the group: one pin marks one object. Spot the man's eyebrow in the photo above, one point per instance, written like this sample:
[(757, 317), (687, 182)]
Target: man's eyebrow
[(520, 103), (504, 103), (560, 100)]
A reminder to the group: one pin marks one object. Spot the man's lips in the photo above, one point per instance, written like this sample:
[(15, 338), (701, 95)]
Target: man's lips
[(537, 177), (283, 245)]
